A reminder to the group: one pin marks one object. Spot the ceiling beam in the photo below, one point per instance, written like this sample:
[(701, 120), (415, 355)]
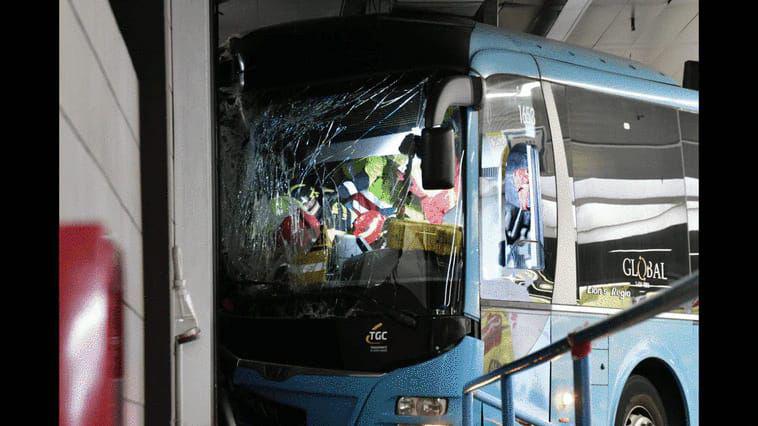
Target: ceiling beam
[(570, 15), (488, 13)]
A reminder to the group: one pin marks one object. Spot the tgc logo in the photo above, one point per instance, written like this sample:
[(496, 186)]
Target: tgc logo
[(376, 336)]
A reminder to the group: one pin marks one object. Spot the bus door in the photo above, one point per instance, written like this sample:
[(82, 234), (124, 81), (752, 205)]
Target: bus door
[(517, 236)]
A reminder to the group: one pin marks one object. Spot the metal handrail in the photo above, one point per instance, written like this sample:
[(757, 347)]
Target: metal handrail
[(579, 343)]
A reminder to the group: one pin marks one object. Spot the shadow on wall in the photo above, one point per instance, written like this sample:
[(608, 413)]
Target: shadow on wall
[(141, 23)]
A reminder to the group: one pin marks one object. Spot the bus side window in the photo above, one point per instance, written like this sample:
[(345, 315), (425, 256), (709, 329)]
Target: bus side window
[(518, 214), (625, 160), (688, 124)]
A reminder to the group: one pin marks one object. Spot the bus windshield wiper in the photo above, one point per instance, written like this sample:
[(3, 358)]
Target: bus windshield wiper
[(404, 318)]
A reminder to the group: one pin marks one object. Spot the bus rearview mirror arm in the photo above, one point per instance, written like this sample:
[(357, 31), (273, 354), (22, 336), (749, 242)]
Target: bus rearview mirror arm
[(437, 144), (462, 90)]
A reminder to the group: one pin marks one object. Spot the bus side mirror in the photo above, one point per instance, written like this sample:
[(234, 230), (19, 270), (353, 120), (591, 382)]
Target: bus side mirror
[(437, 143), (437, 158)]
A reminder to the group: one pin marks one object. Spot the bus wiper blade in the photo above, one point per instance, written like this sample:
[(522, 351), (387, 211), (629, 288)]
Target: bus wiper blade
[(249, 283), (400, 317), (396, 315)]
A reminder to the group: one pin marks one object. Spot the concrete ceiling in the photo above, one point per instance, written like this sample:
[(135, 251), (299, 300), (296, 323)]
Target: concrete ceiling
[(241, 16), (665, 34)]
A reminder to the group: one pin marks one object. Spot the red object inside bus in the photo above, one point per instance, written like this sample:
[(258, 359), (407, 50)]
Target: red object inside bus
[(90, 328)]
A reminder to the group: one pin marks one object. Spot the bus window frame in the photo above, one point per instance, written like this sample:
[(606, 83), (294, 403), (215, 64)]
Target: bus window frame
[(565, 280), (551, 126), (570, 285)]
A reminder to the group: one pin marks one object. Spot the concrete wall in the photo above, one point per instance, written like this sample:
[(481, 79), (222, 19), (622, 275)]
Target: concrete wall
[(99, 159)]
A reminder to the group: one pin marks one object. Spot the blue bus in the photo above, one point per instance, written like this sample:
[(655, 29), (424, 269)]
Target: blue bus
[(406, 203)]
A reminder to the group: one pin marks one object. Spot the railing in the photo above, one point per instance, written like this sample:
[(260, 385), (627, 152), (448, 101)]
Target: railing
[(579, 343)]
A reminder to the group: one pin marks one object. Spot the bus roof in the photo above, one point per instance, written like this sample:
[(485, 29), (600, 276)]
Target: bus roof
[(564, 63), (315, 51), (489, 37)]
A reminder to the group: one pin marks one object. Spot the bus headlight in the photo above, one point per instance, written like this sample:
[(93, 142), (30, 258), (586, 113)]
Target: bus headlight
[(565, 400), (421, 406)]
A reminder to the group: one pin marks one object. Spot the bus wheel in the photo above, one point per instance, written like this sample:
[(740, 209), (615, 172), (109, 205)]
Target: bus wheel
[(640, 404)]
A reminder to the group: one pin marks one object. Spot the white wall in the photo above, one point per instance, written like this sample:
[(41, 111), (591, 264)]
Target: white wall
[(99, 159)]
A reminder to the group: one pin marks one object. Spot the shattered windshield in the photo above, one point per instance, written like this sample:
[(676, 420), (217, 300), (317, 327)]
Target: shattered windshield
[(323, 212)]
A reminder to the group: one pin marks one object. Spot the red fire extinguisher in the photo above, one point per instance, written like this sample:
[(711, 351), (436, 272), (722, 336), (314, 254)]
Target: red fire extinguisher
[(90, 328)]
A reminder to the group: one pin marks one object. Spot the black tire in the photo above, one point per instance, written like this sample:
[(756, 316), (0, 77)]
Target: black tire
[(640, 397)]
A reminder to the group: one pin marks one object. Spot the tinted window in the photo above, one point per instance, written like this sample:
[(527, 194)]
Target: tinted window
[(625, 160)]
